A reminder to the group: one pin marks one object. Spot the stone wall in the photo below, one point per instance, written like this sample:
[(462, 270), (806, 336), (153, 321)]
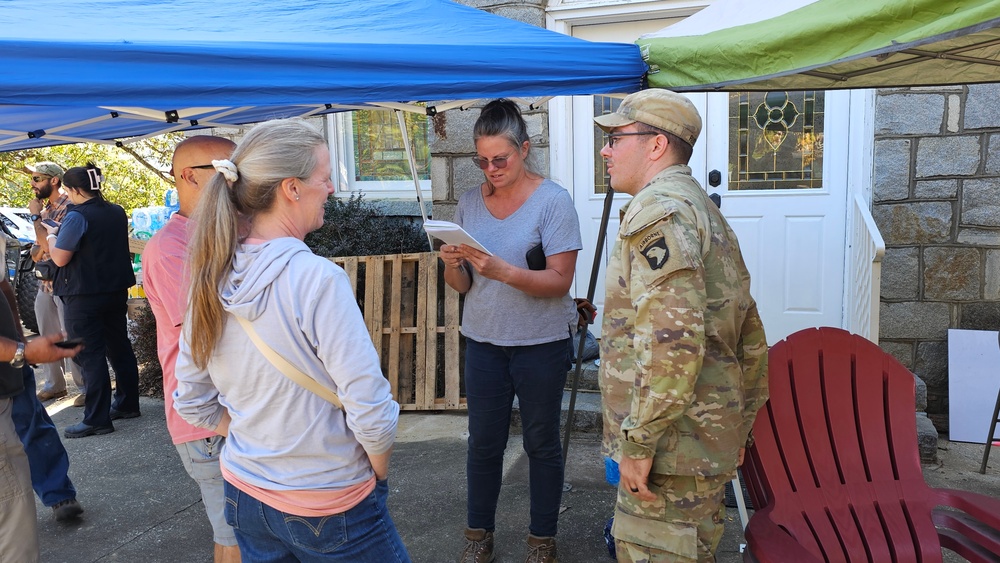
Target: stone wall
[(452, 169), (937, 204)]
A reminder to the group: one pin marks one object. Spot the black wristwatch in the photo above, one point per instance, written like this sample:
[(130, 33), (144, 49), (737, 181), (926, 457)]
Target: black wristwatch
[(18, 360), (34, 217)]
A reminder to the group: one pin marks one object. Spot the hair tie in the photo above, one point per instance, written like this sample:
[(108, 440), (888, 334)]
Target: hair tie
[(94, 175), (227, 169)]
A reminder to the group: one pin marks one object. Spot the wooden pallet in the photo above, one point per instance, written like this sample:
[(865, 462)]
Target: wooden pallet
[(413, 319)]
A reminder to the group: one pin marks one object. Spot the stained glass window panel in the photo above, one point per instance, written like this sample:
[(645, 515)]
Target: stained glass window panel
[(775, 140)]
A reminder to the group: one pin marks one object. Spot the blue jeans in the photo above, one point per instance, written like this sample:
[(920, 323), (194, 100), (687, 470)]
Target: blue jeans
[(363, 534), (46, 454), (493, 376)]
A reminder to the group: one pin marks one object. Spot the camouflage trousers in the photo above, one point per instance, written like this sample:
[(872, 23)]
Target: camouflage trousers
[(683, 524)]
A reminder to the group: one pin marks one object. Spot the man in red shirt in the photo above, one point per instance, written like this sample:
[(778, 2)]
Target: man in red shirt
[(166, 281)]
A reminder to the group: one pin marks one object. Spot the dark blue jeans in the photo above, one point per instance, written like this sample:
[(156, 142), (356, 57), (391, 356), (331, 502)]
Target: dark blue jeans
[(493, 376), (99, 318), (363, 534), (46, 454)]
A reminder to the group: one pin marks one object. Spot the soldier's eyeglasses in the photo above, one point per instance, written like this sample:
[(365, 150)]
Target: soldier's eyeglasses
[(612, 137), (39, 178), (484, 163)]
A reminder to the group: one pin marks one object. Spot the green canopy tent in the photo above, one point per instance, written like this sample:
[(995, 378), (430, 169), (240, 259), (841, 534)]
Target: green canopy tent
[(826, 45)]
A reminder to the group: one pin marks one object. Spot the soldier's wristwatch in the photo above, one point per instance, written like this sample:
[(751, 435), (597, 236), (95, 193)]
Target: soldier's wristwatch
[(35, 217), (18, 360)]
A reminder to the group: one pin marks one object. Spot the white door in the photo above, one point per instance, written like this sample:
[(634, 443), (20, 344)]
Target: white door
[(781, 163), (791, 230)]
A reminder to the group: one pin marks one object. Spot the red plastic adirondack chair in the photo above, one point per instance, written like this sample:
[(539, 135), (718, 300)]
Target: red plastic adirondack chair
[(835, 470)]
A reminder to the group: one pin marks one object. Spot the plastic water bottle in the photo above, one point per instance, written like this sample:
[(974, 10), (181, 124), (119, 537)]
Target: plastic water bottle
[(171, 200), (611, 474), (141, 221)]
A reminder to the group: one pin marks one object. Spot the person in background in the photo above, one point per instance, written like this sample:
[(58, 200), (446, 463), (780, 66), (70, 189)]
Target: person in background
[(304, 479), (91, 249), (18, 520), (47, 456), (683, 353), (50, 203), (518, 321), (166, 281)]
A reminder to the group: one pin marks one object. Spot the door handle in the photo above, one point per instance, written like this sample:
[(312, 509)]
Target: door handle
[(714, 178)]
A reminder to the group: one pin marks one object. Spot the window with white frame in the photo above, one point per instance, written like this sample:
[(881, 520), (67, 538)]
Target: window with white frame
[(369, 155)]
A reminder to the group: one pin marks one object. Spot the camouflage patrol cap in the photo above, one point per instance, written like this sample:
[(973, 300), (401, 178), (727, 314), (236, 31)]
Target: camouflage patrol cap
[(663, 109), (46, 167)]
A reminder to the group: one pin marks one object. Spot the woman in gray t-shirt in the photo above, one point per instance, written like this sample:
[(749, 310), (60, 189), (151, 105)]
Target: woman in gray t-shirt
[(517, 322)]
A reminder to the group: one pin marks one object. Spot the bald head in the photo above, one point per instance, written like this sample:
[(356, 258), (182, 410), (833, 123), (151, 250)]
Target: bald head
[(191, 157)]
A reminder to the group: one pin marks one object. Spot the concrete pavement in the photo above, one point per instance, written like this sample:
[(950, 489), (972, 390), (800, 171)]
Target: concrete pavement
[(140, 505)]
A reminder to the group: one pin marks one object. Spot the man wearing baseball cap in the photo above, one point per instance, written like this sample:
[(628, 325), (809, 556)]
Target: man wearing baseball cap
[(683, 353), (47, 457), (49, 203)]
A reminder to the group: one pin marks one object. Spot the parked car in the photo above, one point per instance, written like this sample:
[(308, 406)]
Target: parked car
[(18, 222), (20, 268)]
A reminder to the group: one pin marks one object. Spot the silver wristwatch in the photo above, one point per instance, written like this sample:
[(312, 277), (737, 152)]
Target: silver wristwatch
[(18, 360)]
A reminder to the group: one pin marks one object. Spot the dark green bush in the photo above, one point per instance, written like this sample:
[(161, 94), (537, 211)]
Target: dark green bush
[(357, 227)]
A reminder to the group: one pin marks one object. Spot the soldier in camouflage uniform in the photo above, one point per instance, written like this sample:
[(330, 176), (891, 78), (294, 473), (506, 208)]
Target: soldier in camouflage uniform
[(683, 353)]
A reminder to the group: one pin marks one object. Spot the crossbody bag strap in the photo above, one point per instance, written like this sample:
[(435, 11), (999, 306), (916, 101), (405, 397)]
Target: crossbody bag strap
[(285, 367)]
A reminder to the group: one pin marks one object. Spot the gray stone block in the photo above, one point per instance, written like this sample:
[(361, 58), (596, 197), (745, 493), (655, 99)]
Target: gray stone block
[(892, 169), (441, 179), (951, 273), (948, 156), (981, 202), (535, 122), (909, 114), (921, 394), (991, 276), (983, 315), (453, 130), (927, 439), (588, 377), (914, 223), (902, 351), (993, 155), (897, 320), (936, 189), (465, 175), (402, 207), (979, 237), (932, 366), (982, 106), (444, 211), (901, 273), (527, 14)]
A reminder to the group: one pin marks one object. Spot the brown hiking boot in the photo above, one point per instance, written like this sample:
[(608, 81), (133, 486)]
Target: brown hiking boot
[(478, 546), (541, 550)]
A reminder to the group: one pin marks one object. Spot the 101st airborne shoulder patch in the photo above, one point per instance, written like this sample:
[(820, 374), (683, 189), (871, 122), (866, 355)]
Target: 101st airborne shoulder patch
[(654, 249)]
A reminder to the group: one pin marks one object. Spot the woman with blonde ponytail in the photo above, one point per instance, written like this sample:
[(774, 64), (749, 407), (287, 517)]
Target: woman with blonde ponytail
[(291, 456)]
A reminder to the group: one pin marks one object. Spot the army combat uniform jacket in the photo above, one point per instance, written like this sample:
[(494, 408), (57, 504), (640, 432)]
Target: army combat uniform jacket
[(683, 352)]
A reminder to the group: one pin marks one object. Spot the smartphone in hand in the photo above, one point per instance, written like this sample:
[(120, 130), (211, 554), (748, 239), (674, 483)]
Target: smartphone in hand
[(50, 222), (69, 343)]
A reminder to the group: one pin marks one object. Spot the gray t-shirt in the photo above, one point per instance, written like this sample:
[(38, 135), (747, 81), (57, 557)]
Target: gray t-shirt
[(496, 312)]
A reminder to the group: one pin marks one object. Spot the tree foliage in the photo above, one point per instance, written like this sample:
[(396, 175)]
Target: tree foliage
[(134, 174)]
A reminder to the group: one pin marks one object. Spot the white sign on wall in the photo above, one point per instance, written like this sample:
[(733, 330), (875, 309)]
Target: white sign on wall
[(973, 382)]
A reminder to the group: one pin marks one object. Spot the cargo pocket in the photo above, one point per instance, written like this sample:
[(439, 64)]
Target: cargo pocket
[(658, 524)]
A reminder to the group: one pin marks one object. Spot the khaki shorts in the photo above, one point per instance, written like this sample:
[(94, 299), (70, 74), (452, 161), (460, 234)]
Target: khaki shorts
[(683, 525)]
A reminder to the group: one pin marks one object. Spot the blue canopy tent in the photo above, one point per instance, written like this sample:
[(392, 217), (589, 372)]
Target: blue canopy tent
[(102, 70)]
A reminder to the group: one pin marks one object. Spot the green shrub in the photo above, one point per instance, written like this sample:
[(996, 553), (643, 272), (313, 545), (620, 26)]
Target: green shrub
[(357, 227)]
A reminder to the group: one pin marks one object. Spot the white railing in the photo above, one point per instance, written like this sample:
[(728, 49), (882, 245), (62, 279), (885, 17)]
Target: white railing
[(867, 250)]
